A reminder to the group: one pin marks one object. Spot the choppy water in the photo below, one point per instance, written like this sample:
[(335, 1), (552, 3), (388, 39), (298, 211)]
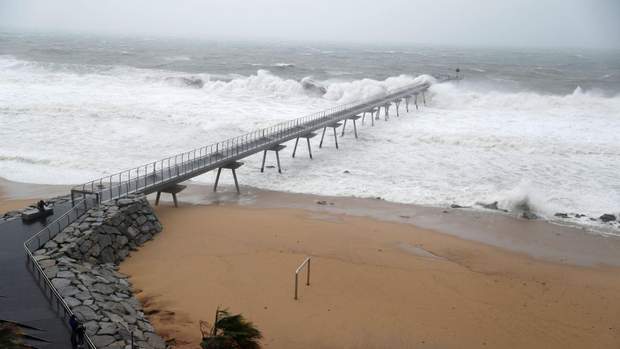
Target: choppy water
[(526, 125)]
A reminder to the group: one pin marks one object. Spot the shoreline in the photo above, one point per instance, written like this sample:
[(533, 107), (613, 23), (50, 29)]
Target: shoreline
[(384, 274), (540, 239), (536, 238)]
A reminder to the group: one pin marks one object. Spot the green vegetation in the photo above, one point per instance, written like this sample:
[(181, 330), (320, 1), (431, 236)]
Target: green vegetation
[(230, 332), (10, 336)]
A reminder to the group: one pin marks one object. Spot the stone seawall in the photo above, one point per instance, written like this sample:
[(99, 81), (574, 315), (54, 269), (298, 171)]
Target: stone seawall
[(82, 262)]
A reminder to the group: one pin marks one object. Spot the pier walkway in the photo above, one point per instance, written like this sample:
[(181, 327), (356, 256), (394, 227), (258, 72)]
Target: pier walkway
[(160, 174), (25, 298)]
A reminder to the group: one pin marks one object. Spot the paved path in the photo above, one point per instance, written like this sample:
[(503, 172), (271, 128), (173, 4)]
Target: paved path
[(21, 298)]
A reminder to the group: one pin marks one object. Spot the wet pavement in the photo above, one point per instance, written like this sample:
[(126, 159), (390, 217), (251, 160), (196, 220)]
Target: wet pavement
[(21, 298)]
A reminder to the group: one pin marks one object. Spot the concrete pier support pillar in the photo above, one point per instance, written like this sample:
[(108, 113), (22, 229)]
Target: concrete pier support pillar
[(353, 118), (275, 149), (333, 126), (233, 166), (307, 137), (397, 103), (372, 117)]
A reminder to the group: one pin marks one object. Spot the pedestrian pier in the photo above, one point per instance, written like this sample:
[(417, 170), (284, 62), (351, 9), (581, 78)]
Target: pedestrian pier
[(165, 176), (158, 175)]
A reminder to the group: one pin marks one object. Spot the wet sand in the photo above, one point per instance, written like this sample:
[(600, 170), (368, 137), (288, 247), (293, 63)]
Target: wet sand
[(374, 284)]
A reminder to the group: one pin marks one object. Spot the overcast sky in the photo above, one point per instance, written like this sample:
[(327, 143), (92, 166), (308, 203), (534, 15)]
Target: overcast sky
[(546, 23)]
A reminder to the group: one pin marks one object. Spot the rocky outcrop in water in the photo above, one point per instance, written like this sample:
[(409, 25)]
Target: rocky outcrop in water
[(82, 263), (607, 218)]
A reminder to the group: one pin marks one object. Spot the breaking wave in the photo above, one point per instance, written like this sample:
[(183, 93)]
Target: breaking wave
[(549, 153)]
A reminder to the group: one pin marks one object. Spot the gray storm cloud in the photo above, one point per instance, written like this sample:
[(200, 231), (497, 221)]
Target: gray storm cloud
[(546, 23)]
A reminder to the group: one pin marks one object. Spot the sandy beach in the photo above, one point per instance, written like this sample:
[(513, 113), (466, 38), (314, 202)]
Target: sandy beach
[(383, 274), (374, 283)]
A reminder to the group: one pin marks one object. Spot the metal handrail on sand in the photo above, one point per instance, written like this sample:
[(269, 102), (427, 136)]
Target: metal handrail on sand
[(305, 263)]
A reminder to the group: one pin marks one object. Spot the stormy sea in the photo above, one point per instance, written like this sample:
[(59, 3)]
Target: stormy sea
[(533, 130)]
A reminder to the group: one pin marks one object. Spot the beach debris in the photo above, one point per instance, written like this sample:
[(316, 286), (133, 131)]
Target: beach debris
[(529, 215), (456, 206), (321, 202), (607, 217), (561, 215), (404, 216), (346, 171), (491, 206)]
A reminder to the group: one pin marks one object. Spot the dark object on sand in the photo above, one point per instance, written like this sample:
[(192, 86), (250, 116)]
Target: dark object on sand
[(41, 211), (607, 217), (529, 215), (561, 215)]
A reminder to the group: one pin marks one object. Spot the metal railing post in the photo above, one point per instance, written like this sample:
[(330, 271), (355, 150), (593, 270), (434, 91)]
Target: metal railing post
[(306, 263)]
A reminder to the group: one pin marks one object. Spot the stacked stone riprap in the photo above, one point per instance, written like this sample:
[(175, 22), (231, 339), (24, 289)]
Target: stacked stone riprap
[(82, 263)]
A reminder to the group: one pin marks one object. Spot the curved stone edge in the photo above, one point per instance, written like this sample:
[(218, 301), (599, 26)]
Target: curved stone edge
[(82, 263)]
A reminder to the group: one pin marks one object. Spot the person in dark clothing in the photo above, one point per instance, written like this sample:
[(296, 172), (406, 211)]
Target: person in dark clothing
[(77, 332), (41, 205)]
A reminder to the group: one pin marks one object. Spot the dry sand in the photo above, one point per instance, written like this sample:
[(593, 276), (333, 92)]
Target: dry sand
[(7, 204), (374, 284)]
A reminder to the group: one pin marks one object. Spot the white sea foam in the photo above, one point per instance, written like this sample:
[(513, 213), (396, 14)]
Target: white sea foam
[(63, 124), (283, 65), (179, 58)]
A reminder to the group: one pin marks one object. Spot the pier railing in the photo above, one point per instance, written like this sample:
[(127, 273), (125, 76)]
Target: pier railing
[(183, 166)]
